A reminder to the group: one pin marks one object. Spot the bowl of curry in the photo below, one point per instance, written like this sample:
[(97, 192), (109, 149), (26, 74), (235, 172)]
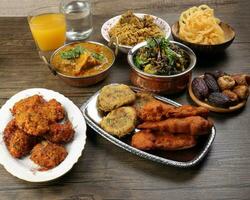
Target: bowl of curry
[(82, 63)]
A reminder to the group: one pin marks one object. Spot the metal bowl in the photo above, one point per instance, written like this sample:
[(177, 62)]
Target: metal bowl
[(161, 84), (81, 81)]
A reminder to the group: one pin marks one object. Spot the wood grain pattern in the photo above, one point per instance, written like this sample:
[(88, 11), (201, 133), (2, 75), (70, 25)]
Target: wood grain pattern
[(107, 172)]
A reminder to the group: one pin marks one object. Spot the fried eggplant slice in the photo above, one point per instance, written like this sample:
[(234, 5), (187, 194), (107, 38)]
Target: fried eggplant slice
[(187, 111), (119, 122), (115, 96), (154, 110), (48, 155), (32, 122), (60, 133), (194, 125), (147, 140), (30, 102), (17, 141)]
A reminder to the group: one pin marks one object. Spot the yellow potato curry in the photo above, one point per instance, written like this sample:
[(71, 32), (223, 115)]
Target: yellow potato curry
[(82, 59)]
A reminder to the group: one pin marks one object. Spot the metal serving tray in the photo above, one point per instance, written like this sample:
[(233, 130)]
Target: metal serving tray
[(180, 158)]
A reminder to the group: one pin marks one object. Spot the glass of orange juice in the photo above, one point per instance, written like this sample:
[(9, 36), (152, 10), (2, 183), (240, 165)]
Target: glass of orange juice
[(48, 27)]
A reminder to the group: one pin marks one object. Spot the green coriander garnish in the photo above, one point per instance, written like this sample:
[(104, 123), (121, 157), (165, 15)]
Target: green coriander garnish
[(72, 53)]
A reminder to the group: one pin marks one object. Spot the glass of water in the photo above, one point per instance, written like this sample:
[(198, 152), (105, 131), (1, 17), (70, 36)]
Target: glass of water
[(78, 18)]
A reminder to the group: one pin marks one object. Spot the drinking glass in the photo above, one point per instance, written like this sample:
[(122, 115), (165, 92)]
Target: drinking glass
[(78, 17), (48, 27)]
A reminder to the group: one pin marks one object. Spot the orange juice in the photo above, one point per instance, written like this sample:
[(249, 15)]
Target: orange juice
[(48, 30)]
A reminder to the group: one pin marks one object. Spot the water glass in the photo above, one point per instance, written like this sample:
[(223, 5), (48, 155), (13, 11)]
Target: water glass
[(78, 18)]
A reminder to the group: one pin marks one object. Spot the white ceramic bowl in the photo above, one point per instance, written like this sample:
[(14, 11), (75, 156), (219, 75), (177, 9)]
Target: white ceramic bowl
[(124, 48), (24, 168)]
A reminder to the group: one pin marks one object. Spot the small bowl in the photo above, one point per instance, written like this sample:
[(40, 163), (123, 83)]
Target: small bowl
[(125, 48), (159, 83), (203, 48), (81, 81)]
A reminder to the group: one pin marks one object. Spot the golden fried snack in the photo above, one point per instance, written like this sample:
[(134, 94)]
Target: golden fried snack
[(60, 133), (48, 155), (147, 140), (32, 122), (194, 125), (144, 140), (30, 102), (142, 98), (18, 142), (115, 96), (119, 122), (187, 110), (53, 111), (154, 110)]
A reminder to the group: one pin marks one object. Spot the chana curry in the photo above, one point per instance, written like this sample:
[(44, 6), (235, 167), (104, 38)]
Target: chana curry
[(82, 59)]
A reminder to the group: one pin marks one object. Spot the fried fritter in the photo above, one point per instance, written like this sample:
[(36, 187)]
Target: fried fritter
[(48, 155), (60, 133), (142, 98), (187, 111), (119, 122), (115, 96), (18, 142), (30, 102), (154, 110), (146, 140), (33, 114), (32, 122), (53, 111), (194, 125)]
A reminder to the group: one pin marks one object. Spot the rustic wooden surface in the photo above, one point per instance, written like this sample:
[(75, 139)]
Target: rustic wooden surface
[(107, 172)]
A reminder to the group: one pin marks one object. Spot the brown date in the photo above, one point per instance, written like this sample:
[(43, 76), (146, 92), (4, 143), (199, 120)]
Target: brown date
[(211, 83), (219, 99), (200, 88)]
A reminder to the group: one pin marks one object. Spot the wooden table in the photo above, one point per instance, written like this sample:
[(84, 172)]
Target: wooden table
[(107, 172)]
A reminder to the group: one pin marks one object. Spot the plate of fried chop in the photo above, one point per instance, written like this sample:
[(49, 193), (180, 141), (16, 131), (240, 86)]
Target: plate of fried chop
[(43, 134), (150, 126)]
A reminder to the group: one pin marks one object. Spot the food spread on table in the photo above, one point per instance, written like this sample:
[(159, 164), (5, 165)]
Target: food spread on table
[(40, 129), (37, 129)]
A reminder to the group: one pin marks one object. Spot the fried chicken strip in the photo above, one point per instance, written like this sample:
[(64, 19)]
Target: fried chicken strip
[(154, 110), (194, 125), (187, 111), (146, 140)]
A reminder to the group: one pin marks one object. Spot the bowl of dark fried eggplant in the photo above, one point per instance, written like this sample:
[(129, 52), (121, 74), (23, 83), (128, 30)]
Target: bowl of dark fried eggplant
[(161, 66)]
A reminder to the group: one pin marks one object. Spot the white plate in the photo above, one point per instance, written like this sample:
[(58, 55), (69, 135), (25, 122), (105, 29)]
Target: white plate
[(25, 168), (124, 48)]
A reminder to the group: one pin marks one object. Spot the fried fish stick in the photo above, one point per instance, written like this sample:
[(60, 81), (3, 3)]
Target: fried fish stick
[(146, 140), (154, 110), (187, 111), (194, 125)]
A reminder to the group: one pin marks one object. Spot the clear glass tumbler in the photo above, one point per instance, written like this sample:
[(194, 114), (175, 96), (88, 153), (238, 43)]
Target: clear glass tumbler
[(48, 27), (78, 18)]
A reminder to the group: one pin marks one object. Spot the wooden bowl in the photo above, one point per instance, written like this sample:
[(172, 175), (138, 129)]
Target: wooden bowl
[(214, 108), (203, 48)]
